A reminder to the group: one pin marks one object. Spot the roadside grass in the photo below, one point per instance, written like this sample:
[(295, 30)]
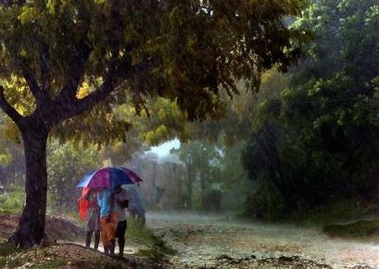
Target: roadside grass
[(345, 219), (366, 230), (341, 212), (156, 247)]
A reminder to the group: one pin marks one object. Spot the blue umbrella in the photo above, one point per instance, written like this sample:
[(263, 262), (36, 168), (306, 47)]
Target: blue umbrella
[(104, 178)]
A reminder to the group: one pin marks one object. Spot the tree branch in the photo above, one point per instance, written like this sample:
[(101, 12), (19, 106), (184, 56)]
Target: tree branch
[(69, 90), (42, 97), (44, 59), (66, 105), (7, 108)]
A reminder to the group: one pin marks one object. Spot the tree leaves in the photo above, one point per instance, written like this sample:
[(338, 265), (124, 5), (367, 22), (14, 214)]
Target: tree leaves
[(180, 50)]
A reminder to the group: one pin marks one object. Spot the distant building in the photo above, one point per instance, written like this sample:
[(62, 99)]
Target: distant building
[(162, 186)]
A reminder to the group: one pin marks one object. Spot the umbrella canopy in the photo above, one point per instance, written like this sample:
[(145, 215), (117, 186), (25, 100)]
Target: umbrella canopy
[(133, 176), (105, 177)]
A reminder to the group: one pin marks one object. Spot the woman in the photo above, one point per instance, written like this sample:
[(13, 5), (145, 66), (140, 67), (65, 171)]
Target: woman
[(90, 213)]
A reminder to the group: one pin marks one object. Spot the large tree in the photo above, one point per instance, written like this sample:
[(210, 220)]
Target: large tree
[(61, 58)]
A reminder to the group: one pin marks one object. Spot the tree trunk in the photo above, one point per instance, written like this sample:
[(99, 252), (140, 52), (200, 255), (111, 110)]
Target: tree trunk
[(191, 179), (268, 142), (203, 187), (31, 227)]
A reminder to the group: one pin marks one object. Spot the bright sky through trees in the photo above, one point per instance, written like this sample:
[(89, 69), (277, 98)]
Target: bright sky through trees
[(165, 148)]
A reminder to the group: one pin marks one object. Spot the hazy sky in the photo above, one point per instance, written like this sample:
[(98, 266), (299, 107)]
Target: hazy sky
[(164, 149)]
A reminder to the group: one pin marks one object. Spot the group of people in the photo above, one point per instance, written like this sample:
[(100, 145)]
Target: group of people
[(105, 216)]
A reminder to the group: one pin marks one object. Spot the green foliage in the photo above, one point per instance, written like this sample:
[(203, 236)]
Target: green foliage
[(264, 202), (317, 141), (67, 164), (13, 201), (161, 121), (6, 157), (202, 162), (337, 93), (83, 50), (345, 43)]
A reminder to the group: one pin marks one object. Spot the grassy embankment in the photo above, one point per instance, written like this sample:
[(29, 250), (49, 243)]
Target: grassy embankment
[(11, 203)]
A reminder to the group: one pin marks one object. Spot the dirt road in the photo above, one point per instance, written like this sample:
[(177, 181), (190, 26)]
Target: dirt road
[(214, 241)]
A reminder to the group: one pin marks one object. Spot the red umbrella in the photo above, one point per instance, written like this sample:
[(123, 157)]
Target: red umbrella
[(83, 203)]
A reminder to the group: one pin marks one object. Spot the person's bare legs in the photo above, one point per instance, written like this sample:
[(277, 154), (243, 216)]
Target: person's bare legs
[(111, 246), (88, 239), (121, 245), (97, 239)]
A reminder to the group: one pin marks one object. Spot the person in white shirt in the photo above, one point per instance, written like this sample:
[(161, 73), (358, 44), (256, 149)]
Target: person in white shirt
[(122, 203)]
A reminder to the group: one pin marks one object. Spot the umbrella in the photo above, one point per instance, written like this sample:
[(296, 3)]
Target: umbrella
[(83, 203), (133, 176), (106, 177)]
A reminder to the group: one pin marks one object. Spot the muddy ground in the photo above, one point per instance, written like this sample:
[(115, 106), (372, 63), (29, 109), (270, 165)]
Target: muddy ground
[(214, 241)]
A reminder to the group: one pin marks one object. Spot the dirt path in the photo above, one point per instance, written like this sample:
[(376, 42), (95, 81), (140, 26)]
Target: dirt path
[(213, 241)]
